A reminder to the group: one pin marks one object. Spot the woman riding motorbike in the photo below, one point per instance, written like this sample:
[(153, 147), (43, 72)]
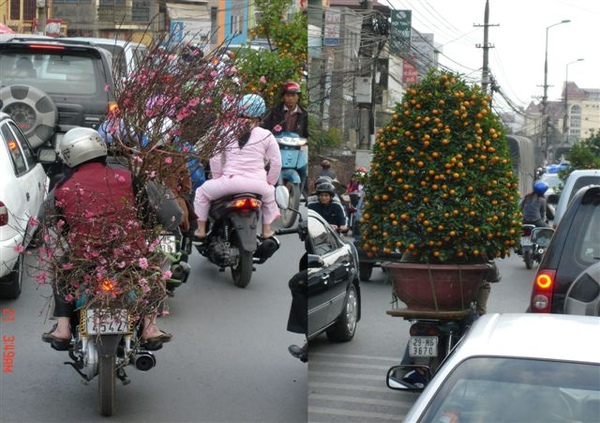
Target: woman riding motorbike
[(533, 205), (241, 167)]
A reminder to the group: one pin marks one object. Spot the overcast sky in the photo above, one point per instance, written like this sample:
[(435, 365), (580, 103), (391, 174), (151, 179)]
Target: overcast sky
[(517, 59)]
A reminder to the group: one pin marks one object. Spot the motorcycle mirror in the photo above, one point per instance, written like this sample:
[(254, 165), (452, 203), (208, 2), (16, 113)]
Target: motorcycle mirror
[(542, 236), (410, 378), (282, 197)]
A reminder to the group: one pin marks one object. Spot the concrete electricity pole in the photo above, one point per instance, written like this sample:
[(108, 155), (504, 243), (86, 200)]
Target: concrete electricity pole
[(485, 72)]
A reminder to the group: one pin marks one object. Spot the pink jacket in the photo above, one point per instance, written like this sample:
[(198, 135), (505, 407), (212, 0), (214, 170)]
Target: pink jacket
[(249, 161)]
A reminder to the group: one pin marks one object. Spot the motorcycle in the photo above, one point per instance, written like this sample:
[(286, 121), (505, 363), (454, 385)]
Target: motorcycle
[(232, 241), (350, 201), (533, 244), (106, 340), (432, 337), (294, 167)]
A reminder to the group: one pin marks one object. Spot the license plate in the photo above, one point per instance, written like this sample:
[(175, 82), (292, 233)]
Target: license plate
[(104, 322), (168, 244), (423, 346), (525, 240)]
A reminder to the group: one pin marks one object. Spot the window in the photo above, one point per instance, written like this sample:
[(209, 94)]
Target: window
[(322, 240)]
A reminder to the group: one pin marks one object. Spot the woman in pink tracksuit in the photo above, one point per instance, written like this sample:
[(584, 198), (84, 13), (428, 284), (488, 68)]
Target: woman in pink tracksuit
[(241, 168)]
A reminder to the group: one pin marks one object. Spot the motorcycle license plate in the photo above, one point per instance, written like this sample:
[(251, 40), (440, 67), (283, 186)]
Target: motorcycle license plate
[(168, 244), (525, 240), (105, 322), (423, 346)]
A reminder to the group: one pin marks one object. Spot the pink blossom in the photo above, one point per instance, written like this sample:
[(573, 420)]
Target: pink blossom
[(168, 160), (120, 178), (166, 275), (263, 80), (66, 266), (18, 249), (152, 174), (143, 262), (69, 298), (144, 285), (277, 128), (213, 73), (33, 222), (106, 88)]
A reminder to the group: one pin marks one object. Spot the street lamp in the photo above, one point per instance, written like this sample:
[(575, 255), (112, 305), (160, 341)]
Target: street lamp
[(567, 121), (545, 120)]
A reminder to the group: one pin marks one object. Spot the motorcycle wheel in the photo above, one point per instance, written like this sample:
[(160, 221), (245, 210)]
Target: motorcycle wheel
[(242, 273), (106, 384), (288, 216), (528, 257)]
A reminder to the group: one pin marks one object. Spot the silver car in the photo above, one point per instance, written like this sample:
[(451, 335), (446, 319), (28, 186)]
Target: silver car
[(516, 368), (23, 188)]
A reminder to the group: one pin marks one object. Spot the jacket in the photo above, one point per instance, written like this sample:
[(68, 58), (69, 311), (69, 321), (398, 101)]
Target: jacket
[(275, 118)]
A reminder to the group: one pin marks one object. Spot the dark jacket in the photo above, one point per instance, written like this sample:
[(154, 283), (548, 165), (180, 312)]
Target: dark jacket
[(274, 118), (333, 212)]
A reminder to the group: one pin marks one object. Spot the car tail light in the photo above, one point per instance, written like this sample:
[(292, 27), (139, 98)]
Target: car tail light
[(526, 231), (246, 204), (3, 214), (541, 295), (46, 46)]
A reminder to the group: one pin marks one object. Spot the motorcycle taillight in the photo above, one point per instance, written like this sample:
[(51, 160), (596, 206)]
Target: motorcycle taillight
[(246, 204), (526, 230), (424, 329)]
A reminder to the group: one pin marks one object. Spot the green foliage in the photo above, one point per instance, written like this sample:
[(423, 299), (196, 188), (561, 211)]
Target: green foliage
[(585, 154), (441, 186), (264, 71), (320, 139)]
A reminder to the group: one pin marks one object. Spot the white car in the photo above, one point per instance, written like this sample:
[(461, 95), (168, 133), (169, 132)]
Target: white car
[(516, 368), (23, 189), (576, 180)]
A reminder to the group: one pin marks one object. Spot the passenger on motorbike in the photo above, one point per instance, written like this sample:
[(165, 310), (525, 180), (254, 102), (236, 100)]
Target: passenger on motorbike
[(88, 204), (533, 205), (241, 168), (331, 211)]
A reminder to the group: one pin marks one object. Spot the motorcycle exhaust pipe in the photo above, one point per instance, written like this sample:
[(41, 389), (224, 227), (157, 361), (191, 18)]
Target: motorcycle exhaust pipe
[(144, 361)]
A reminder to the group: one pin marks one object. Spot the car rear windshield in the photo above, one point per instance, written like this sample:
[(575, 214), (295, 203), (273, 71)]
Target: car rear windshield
[(509, 390), (51, 73)]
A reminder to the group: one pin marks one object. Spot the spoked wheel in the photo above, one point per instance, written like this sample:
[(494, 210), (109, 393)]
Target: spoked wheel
[(345, 327), (288, 216), (242, 273), (528, 257), (106, 384)]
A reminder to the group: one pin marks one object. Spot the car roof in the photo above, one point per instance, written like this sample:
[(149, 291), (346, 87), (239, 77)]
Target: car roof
[(531, 335)]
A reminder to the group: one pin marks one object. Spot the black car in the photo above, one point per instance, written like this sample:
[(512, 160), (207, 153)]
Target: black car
[(49, 86), (574, 247), (333, 282)]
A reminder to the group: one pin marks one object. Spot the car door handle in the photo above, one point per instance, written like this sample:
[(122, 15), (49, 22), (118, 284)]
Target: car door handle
[(27, 196), (325, 278)]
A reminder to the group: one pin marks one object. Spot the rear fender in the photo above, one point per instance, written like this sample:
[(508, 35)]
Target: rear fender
[(245, 227), (107, 344), (289, 175)]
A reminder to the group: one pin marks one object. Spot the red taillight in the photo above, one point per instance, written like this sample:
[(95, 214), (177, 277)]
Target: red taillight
[(3, 214), (246, 204), (526, 231), (424, 329), (541, 295), (46, 47)]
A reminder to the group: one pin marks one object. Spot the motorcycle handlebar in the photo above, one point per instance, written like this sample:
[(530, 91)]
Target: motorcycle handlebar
[(286, 231)]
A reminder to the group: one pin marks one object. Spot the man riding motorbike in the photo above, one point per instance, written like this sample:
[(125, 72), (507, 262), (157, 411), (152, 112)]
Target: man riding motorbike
[(88, 206), (241, 168), (331, 211)]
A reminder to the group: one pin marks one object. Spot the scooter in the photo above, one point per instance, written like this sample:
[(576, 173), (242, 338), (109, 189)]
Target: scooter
[(534, 241), (432, 337), (294, 167), (232, 239)]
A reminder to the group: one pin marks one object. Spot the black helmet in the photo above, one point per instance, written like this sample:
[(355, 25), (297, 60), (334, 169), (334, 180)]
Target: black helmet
[(326, 187), (322, 180)]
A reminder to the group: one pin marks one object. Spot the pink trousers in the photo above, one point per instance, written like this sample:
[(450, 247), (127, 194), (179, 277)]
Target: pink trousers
[(227, 185)]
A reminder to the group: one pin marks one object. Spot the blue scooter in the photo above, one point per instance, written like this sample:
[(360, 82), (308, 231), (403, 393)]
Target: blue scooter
[(294, 167)]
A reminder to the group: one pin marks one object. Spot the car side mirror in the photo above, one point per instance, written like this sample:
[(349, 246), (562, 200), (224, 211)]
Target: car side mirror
[(315, 261), (46, 155), (552, 199), (410, 378)]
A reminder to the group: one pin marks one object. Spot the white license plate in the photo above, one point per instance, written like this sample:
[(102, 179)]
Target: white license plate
[(423, 346), (104, 322), (525, 240), (168, 244)]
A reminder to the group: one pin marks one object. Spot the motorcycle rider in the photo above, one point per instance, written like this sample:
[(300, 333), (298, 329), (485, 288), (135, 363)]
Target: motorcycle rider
[(108, 196), (331, 211), (533, 205), (241, 168), (288, 115)]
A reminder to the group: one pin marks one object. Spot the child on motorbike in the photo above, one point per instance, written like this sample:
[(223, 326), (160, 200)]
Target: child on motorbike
[(241, 168)]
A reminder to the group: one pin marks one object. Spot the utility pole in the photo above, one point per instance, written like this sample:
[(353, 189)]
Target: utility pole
[(366, 61), (42, 10), (485, 73)]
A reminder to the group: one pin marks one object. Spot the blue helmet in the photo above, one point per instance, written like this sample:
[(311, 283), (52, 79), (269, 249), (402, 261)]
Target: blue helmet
[(252, 106), (540, 187)]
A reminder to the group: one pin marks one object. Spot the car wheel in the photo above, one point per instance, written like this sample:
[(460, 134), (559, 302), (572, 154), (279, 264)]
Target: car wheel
[(344, 328), (11, 284), (32, 109)]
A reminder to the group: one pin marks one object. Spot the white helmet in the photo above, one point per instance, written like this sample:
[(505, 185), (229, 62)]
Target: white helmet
[(79, 145)]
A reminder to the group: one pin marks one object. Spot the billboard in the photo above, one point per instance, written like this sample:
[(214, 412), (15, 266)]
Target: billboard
[(400, 34)]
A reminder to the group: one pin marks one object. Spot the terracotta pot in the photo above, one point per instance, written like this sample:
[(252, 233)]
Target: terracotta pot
[(438, 287)]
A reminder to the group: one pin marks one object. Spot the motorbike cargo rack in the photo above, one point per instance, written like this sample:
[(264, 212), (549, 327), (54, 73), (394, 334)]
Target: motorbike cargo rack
[(428, 314)]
